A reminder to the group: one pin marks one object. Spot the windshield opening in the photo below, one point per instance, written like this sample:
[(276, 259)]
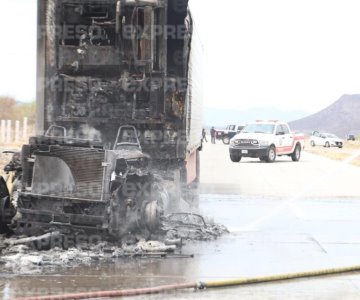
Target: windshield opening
[(259, 128), (82, 133)]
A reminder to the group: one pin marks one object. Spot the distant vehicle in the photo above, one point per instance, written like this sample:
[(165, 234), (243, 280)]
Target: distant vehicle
[(266, 140), (227, 134), (351, 137), (326, 140)]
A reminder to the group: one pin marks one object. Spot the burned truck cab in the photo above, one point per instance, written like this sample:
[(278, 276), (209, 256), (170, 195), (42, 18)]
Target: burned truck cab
[(78, 185), (119, 108)]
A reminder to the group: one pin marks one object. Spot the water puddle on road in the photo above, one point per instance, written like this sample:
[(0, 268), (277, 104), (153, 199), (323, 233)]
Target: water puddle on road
[(105, 266), (283, 243)]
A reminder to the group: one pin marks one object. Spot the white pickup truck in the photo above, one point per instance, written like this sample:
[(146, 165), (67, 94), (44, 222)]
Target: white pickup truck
[(266, 140)]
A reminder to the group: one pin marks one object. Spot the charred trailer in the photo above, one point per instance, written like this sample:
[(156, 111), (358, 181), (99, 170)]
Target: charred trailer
[(119, 122)]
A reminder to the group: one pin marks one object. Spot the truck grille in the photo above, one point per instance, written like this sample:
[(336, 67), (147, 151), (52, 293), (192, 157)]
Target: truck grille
[(246, 143), (79, 173)]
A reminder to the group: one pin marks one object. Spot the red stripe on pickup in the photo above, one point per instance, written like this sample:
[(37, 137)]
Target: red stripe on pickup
[(290, 148), (284, 149)]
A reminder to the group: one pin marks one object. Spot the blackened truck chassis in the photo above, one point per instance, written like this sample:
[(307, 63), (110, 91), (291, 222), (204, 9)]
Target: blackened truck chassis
[(74, 186), (111, 71)]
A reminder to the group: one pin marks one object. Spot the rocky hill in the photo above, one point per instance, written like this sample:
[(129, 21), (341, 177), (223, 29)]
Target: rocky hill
[(341, 118)]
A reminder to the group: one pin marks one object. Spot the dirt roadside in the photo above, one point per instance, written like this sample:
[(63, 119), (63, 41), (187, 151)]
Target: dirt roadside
[(350, 148)]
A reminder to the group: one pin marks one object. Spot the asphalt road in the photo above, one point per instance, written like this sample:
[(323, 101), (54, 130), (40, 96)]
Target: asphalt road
[(313, 176), (266, 238), (283, 217)]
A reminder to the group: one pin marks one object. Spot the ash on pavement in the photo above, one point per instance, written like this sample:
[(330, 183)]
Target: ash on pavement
[(21, 255)]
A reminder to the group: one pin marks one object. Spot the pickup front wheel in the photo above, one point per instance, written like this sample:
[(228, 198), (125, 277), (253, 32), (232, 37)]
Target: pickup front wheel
[(235, 157), (295, 156), (271, 156), (226, 140)]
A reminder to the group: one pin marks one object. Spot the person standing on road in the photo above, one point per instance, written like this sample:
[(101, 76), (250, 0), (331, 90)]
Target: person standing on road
[(204, 135), (213, 135)]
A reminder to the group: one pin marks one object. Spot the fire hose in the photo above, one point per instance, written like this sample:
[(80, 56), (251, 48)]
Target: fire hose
[(197, 285)]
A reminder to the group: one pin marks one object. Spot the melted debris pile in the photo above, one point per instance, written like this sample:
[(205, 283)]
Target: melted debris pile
[(21, 254), (191, 227), (22, 258)]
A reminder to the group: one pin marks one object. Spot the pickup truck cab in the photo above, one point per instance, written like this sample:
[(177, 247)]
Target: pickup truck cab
[(266, 140), (227, 134)]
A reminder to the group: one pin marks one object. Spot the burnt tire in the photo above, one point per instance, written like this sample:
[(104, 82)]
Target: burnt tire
[(271, 155), (226, 140), (235, 158), (6, 214), (296, 155)]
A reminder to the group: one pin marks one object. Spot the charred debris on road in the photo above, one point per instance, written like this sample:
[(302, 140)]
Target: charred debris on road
[(56, 249)]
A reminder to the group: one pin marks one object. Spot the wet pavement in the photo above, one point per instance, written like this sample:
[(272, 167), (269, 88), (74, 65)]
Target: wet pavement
[(313, 176), (290, 217), (269, 235)]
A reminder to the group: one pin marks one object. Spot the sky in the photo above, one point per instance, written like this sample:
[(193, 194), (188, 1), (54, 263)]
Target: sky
[(18, 49), (288, 54)]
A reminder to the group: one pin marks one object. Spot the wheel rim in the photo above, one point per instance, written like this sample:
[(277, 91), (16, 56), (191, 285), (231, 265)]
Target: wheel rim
[(297, 153), (272, 154), (226, 140), (152, 216)]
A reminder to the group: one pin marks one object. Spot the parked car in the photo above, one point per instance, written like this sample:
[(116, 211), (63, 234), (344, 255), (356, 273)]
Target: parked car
[(326, 140), (227, 134), (351, 137), (266, 140)]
